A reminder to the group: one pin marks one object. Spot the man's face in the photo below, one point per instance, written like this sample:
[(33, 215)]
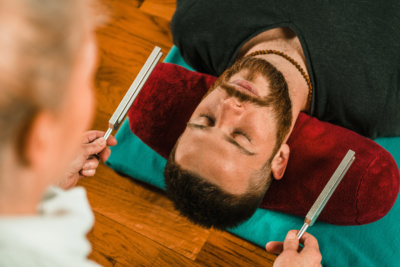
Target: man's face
[(227, 141)]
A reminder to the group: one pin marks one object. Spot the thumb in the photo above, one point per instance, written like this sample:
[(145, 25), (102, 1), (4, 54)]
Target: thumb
[(94, 147), (291, 242)]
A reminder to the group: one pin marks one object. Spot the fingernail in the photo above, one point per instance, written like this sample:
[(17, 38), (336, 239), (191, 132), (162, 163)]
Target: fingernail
[(88, 172), (86, 166), (291, 235), (101, 141)]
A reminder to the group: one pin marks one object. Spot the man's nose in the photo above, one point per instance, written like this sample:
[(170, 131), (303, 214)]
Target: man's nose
[(231, 109)]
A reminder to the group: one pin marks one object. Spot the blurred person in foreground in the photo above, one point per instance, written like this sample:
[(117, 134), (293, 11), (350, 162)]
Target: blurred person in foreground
[(48, 57)]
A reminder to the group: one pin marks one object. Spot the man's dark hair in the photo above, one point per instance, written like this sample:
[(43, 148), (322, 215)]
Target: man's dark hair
[(205, 203)]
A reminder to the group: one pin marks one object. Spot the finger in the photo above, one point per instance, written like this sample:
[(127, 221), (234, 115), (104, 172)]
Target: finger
[(307, 236), (90, 136), (111, 141), (274, 247), (91, 163), (94, 156), (291, 242), (105, 154), (69, 183), (94, 147), (88, 173), (310, 243)]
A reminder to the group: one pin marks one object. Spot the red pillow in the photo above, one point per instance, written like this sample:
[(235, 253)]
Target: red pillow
[(366, 193)]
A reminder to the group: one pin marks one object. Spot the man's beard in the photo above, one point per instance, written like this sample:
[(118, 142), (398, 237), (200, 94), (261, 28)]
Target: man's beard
[(251, 69)]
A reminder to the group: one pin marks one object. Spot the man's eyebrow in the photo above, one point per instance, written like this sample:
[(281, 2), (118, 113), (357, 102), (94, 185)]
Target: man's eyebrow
[(226, 137)]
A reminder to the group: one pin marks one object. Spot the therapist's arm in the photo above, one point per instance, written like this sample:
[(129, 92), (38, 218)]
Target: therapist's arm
[(291, 254)]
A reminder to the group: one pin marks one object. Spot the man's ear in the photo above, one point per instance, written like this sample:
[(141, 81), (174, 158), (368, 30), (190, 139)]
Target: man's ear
[(280, 161)]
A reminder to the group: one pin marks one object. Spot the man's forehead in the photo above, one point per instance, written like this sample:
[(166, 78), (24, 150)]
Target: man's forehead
[(200, 147), (211, 161)]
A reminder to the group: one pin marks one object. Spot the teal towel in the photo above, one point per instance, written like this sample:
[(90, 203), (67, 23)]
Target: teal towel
[(367, 245)]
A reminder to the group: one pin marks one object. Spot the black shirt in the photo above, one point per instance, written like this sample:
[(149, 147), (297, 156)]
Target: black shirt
[(352, 51)]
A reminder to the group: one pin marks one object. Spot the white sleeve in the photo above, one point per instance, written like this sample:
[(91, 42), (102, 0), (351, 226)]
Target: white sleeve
[(54, 237)]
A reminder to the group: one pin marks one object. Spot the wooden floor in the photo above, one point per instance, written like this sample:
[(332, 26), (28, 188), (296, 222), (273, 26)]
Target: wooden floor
[(136, 224)]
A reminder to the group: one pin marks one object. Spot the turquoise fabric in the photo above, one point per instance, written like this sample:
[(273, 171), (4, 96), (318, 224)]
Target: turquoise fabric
[(366, 245), (175, 57)]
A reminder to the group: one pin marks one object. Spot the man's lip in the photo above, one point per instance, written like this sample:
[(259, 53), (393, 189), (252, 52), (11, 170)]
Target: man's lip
[(246, 85)]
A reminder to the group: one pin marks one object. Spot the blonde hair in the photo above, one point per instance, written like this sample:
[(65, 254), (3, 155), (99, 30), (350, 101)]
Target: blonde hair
[(39, 40)]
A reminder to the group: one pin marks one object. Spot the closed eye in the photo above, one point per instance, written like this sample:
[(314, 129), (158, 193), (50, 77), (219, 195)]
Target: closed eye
[(238, 132), (227, 138), (208, 117)]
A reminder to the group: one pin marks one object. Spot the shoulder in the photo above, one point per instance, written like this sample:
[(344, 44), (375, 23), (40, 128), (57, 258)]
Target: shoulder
[(56, 236)]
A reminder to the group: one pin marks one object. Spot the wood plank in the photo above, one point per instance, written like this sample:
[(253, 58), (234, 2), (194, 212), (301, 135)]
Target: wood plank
[(106, 177), (173, 259), (220, 251), (124, 45), (234, 239), (129, 27), (162, 9), (156, 223), (101, 259), (241, 242), (100, 121), (118, 243)]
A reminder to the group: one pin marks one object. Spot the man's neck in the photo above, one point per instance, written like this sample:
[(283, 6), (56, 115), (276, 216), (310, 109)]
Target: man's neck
[(286, 41), (20, 190)]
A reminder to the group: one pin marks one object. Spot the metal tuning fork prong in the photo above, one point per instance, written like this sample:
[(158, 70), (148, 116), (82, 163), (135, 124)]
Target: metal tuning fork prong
[(134, 89), (327, 192)]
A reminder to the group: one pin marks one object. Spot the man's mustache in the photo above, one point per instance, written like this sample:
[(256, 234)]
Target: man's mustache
[(243, 97)]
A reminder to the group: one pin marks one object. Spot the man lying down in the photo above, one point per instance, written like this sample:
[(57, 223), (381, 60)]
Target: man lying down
[(336, 63)]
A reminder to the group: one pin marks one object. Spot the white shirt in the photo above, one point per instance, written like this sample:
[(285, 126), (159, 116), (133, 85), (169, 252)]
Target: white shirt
[(55, 237)]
